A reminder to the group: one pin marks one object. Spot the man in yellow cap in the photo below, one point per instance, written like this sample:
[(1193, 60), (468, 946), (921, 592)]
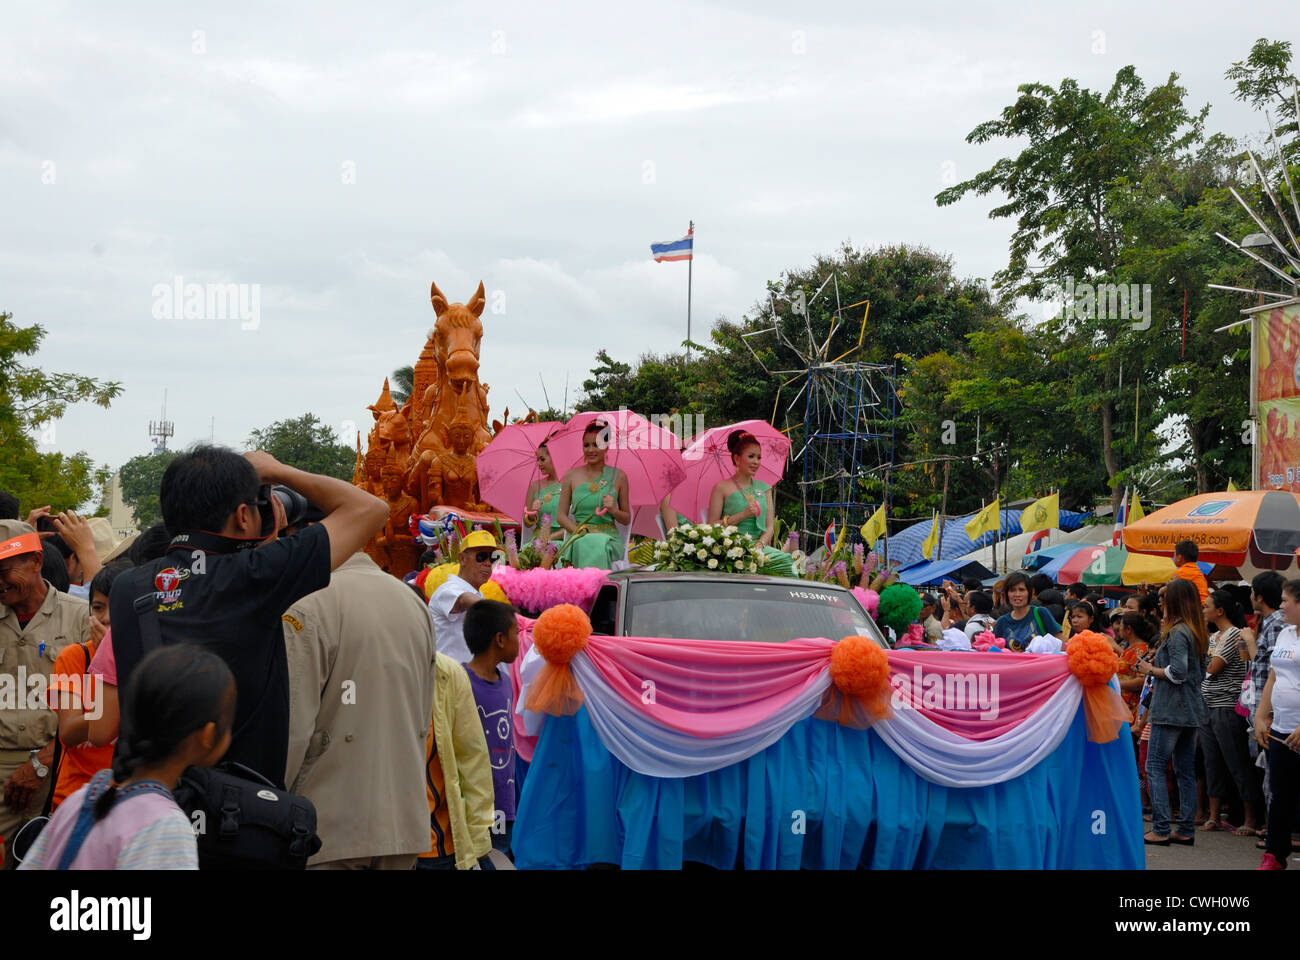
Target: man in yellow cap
[(461, 591), (36, 622)]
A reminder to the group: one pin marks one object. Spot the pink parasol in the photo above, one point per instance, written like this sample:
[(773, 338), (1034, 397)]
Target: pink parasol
[(650, 455), (708, 462), (508, 465)]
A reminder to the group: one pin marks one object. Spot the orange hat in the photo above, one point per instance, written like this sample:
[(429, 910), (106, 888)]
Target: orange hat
[(20, 544)]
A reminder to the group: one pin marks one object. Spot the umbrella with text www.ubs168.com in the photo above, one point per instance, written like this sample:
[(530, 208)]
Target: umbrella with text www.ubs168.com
[(1247, 529)]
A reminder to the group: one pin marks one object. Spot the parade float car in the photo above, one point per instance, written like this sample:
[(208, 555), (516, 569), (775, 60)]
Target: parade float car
[(726, 606), (700, 718)]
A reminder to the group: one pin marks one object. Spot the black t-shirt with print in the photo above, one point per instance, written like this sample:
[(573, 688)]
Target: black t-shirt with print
[(230, 603)]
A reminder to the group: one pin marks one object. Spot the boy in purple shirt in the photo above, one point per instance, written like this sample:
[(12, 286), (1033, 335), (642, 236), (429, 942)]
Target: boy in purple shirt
[(492, 635)]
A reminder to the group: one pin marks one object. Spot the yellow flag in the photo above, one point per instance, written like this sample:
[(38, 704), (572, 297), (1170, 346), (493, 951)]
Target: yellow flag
[(1231, 486), (1136, 513), (1042, 514), (874, 528), (930, 542), (984, 521)]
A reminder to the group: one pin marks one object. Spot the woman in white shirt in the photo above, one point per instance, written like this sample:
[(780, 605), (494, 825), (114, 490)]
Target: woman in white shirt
[(1277, 728)]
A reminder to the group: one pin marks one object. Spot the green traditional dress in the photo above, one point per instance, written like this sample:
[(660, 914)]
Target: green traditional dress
[(549, 496), (600, 545), (779, 563)]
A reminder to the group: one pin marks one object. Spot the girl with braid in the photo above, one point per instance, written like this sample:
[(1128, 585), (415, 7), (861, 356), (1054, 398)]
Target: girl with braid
[(177, 710)]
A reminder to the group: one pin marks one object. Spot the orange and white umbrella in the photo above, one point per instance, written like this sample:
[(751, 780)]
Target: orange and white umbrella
[(1252, 530)]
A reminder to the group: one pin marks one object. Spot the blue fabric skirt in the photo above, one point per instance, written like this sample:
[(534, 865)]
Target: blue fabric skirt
[(825, 797)]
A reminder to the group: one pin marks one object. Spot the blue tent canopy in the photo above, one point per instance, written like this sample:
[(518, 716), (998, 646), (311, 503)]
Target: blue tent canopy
[(905, 544), (936, 571)]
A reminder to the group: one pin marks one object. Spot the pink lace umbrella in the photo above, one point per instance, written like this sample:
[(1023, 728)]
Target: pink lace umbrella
[(508, 465), (650, 455), (708, 461)]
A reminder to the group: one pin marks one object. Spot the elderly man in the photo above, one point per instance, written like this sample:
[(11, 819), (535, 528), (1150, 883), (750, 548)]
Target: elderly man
[(452, 600), (361, 680), (36, 622)]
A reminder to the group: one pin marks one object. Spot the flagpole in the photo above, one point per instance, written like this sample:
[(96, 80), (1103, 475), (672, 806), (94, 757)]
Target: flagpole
[(690, 268)]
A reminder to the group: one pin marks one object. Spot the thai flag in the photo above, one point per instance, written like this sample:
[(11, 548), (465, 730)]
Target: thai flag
[(1035, 542), (1120, 519), (682, 249)]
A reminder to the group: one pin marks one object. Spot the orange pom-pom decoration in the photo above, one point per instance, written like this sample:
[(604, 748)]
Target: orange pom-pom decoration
[(1092, 659), (860, 689), (560, 632), (859, 667)]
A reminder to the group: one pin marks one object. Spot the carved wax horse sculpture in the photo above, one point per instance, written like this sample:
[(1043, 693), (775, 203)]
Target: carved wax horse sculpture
[(457, 336)]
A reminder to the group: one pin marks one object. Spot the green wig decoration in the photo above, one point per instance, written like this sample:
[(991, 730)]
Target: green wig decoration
[(900, 605)]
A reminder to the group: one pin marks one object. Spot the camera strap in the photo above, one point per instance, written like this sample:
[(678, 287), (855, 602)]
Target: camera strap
[(213, 542)]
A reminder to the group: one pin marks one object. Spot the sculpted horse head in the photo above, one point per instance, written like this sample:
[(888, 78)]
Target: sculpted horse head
[(456, 338)]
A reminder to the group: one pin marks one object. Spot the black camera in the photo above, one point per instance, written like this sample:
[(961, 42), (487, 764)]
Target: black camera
[(294, 503)]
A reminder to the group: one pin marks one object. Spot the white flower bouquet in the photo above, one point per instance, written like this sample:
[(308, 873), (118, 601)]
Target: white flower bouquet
[(708, 547)]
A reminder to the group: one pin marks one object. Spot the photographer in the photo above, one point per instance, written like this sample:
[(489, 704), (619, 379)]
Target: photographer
[(213, 587)]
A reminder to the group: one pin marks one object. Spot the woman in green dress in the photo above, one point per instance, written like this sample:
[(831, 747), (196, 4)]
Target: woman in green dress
[(597, 498), (746, 503), (543, 498)]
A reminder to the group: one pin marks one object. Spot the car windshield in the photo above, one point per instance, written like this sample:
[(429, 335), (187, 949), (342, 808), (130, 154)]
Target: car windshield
[(743, 610)]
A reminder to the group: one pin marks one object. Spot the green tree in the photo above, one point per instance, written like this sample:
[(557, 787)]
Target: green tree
[(1266, 82), (306, 443), (31, 399), (141, 479), (401, 383), (1067, 191)]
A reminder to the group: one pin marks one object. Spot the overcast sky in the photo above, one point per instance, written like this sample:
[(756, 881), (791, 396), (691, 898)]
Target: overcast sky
[(339, 157)]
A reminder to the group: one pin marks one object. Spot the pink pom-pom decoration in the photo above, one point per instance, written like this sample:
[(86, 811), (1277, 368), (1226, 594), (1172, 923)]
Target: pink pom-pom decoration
[(869, 599), (540, 589)]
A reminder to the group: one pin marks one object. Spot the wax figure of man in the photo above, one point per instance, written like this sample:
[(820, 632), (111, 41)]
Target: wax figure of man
[(225, 581), (452, 600), (36, 623), (361, 677)]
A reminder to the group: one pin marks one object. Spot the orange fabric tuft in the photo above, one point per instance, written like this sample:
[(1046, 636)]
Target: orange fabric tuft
[(1091, 658), (860, 689), (1104, 712), (554, 691), (1093, 661), (560, 632)]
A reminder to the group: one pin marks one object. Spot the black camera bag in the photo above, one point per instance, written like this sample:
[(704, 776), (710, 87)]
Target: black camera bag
[(244, 822), (241, 819)]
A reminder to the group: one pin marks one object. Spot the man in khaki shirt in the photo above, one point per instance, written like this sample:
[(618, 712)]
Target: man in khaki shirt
[(36, 623), (361, 680)]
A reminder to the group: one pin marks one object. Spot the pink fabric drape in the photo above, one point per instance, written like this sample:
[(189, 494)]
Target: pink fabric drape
[(708, 688), (1024, 682)]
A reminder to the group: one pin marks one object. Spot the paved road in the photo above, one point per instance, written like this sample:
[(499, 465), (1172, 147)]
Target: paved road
[(1213, 851)]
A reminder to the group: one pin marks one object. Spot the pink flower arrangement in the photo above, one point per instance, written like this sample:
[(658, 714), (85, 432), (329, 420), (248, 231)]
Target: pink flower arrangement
[(916, 633), (540, 589), (869, 599), (983, 642)]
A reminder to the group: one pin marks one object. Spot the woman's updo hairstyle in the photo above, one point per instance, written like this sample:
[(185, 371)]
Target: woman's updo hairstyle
[(172, 692), (1225, 601), (738, 440), (597, 426)]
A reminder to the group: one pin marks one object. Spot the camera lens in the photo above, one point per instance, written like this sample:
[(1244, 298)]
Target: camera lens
[(294, 503)]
